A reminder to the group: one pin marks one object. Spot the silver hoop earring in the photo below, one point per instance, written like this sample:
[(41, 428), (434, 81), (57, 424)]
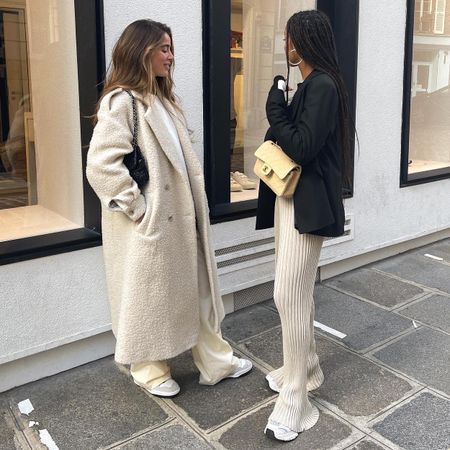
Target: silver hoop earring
[(294, 64)]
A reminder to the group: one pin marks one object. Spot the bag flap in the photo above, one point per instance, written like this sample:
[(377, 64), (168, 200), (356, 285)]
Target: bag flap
[(273, 156)]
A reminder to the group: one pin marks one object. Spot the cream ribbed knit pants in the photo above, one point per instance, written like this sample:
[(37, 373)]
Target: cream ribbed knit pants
[(297, 258), (212, 355)]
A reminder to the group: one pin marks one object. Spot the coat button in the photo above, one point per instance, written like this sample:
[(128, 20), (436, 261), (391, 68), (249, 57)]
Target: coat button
[(170, 218), (166, 187)]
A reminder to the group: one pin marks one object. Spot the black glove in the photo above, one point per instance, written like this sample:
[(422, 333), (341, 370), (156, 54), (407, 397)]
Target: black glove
[(277, 79), (275, 99)]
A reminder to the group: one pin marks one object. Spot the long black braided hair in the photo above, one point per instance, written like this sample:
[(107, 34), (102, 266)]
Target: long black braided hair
[(312, 37)]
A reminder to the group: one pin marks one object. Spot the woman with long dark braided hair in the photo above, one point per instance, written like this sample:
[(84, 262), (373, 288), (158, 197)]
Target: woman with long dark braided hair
[(314, 130)]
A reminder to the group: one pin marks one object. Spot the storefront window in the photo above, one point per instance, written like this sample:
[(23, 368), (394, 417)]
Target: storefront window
[(241, 58), (41, 183), (428, 140), (257, 55)]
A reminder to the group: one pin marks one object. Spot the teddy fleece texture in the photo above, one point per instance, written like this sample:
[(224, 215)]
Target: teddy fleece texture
[(150, 237)]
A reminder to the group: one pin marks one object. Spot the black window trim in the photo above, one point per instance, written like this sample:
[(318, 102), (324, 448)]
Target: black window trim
[(216, 86), (429, 175), (89, 25)]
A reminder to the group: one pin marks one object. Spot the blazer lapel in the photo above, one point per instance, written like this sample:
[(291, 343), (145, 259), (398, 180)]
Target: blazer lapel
[(293, 107), (160, 128)]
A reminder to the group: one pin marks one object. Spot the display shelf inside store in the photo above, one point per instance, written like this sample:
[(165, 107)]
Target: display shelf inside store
[(422, 166), (28, 221), (241, 196)]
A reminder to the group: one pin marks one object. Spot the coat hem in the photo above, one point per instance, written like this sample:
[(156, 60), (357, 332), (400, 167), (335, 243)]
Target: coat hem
[(157, 356)]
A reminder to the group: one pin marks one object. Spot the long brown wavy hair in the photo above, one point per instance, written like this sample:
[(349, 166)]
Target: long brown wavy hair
[(130, 66)]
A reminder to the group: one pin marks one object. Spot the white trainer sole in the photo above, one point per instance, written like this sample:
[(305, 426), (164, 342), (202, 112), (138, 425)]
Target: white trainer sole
[(273, 384), (156, 392), (285, 437), (243, 370)]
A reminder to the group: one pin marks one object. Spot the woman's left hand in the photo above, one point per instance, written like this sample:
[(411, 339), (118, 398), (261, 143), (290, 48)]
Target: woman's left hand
[(276, 99)]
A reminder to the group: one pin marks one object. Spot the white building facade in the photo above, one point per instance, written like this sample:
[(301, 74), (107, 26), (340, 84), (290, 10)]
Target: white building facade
[(54, 311)]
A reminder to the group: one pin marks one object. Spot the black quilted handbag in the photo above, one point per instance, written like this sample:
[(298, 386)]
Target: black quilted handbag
[(135, 161)]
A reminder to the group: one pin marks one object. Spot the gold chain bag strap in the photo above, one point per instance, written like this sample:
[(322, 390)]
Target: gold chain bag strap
[(276, 169)]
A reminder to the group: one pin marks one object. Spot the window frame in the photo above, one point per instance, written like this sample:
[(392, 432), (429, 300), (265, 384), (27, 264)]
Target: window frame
[(429, 175), (439, 14), (89, 24), (216, 88)]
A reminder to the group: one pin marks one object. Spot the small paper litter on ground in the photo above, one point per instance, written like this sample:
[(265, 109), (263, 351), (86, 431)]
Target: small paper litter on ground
[(25, 406)]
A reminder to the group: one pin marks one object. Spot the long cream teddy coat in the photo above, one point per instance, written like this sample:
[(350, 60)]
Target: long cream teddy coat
[(149, 237)]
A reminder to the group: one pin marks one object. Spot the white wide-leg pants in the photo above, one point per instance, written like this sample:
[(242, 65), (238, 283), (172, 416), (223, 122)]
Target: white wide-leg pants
[(212, 355)]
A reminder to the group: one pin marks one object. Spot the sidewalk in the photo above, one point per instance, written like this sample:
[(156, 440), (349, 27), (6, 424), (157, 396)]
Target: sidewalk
[(387, 382)]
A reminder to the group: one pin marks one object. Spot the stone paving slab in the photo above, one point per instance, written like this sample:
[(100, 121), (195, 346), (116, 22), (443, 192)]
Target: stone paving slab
[(6, 432), (267, 347), (270, 304), (210, 406), (249, 322), (376, 287), (248, 434), (91, 406), (367, 444), (418, 268), (423, 423), (355, 385), (174, 437), (434, 311), (440, 249), (352, 383), (423, 355), (364, 324)]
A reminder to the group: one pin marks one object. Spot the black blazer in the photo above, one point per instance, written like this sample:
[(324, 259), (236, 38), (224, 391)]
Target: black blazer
[(308, 132)]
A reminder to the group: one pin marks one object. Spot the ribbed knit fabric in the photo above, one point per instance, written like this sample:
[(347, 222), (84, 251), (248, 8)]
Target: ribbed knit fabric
[(297, 258)]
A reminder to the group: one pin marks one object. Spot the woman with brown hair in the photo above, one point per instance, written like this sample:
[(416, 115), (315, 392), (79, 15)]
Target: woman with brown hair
[(158, 251)]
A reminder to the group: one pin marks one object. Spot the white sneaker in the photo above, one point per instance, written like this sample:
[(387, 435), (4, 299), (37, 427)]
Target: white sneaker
[(244, 180), (168, 388), (234, 185), (273, 384), (244, 367), (275, 430)]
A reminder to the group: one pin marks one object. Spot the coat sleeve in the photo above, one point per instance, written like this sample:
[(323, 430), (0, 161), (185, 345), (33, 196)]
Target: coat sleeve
[(304, 139), (105, 171)]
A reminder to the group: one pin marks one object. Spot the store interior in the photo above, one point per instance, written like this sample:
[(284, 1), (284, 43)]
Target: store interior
[(256, 55), (15, 147), (40, 160)]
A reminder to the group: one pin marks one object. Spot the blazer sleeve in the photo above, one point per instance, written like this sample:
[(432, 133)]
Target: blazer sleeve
[(269, 135), (105, 171), (304, 139)]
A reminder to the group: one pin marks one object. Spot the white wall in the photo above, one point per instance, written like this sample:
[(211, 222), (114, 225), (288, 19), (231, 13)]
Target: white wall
[(185, 20), (51, 301)]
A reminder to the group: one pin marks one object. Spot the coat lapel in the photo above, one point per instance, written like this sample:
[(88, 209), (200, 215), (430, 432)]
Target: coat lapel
[(191, 158), (159, 126)]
